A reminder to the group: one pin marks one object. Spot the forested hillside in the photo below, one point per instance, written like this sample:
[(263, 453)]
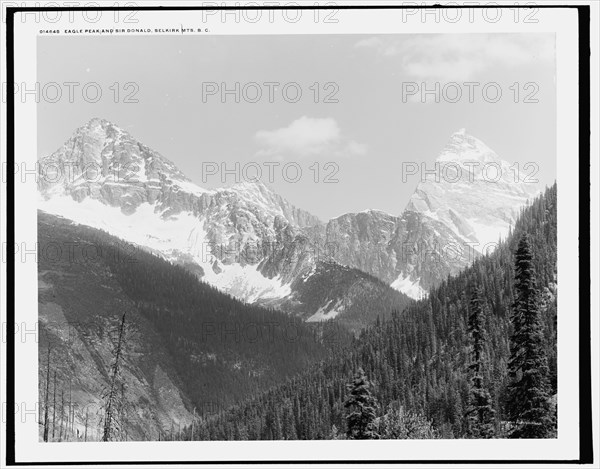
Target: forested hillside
[(225, 349), (420, 361), (188, 349)]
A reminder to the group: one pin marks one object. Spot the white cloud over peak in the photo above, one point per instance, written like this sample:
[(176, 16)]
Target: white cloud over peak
[(307, 137)]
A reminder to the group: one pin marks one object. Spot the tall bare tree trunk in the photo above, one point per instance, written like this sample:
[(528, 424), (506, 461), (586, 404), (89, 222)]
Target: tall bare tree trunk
[(123, 413), (193, 422), (54, 405), (111, 397), (46, 396), (86, 424), (62, 413), (71, 419)]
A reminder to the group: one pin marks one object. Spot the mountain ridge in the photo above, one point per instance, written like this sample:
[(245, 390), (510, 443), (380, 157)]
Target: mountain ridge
[(250, 242)]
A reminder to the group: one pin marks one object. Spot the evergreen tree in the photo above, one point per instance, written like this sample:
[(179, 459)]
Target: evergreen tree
[(361, 406), (481, 413), (528, 407)]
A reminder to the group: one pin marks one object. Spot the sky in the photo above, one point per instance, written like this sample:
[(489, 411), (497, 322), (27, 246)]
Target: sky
[(340, 146)]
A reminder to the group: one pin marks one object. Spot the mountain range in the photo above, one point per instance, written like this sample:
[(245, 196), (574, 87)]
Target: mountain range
[(251, 243)]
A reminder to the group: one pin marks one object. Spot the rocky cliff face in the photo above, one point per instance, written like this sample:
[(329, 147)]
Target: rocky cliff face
[(411, 253)]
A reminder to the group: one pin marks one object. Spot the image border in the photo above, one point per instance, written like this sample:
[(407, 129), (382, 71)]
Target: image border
[(585, 397)]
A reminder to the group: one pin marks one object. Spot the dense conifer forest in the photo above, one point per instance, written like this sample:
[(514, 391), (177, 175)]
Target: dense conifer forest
[(448, 366)]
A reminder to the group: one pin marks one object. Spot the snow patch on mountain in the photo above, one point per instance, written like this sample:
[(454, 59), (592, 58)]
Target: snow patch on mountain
[(325, 313), (248, 284), (489, 234), (173, 237), (144, 227), (409, 287), (191, 188)]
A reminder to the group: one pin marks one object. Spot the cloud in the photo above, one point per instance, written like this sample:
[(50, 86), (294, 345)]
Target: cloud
[(461, 57), (308, 137)]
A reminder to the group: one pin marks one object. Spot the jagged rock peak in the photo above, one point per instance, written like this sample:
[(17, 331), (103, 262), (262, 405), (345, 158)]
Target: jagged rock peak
[(99, 121), (102, 142)]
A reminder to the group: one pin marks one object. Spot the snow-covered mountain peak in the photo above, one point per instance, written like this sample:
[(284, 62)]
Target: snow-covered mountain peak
[(100, 151), (103, 161), (98, 133), (463, 147), (473, 191)]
